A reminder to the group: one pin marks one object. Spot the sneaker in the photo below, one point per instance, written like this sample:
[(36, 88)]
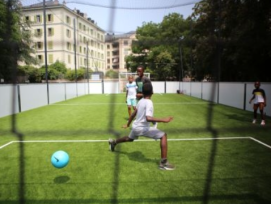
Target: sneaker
[(166, 166), (254, 121), (112, 144), (263, 122)]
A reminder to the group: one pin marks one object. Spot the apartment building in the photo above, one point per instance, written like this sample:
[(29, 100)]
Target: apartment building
[(117, 48), (65, 30)]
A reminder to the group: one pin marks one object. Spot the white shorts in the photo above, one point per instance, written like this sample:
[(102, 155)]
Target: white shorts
[(149, 132)]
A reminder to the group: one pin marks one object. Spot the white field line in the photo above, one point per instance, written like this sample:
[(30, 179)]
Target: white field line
[(141, 140), (1, 147), (88, 104), (258, 141)]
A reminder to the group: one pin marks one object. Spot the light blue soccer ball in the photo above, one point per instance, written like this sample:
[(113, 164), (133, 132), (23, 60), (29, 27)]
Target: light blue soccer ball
[(60, 159)]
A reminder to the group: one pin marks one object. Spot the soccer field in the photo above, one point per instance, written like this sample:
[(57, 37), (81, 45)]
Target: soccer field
[(220, 157)]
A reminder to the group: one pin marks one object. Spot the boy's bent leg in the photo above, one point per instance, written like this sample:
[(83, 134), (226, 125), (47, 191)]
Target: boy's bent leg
[(163, 146), (164, 164), (113, 143)]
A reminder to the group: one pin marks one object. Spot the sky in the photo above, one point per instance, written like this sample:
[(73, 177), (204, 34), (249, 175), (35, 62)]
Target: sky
[(127, 15)]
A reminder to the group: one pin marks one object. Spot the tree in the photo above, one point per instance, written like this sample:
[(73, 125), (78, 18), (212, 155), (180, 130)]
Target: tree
[(79, 75), (14, 39), (233, 39), (157, 47), (112, 74)]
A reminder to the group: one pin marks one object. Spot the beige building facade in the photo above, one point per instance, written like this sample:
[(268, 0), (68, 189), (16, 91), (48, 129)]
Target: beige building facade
[(117, 48), (65, 30)]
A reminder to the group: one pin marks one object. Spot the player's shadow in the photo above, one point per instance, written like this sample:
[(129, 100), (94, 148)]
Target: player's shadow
[(136, 156), (61, 179), (238, 117)]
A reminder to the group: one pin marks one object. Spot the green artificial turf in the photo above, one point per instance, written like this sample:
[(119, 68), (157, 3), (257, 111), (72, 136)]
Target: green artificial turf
[(220, 157)]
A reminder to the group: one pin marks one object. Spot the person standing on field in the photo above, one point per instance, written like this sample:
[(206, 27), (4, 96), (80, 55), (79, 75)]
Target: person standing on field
[(131, 94), (140, 81), (259, 102)]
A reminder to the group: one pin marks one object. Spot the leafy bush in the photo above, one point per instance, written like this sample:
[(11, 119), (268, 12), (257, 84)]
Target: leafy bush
[(112, 74), (81, 74)]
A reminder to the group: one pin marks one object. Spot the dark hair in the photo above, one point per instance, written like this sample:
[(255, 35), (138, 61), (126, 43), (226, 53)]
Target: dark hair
[(257, 82), (147, 89), (140, 66)]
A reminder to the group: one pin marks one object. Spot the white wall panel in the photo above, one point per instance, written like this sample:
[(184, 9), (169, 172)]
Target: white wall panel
[(33, 96)]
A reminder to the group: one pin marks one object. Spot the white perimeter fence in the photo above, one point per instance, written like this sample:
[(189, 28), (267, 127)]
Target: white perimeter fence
[(30, 96)]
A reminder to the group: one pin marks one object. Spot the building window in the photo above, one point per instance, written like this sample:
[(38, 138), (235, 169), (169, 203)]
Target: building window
[(68, 20), (38, 18), (27, 18), (40, 58), (69, 59), (115, 45), (50, 31), (50, 45), (39, 45), (115, 60), (51, 58), (38, 33), (125, 42), (108, 46), (108, 61), (49, 17), (68, 33), (68, 46), (115, 53)]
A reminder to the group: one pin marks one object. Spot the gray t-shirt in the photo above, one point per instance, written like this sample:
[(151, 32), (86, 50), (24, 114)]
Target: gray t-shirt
[(144, 108)]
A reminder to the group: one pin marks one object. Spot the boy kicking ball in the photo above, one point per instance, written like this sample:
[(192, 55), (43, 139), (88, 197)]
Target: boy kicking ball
[(141, 126)]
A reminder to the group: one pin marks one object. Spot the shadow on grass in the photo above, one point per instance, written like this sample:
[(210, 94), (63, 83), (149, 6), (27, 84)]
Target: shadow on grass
[(136, 156), (61, 179)]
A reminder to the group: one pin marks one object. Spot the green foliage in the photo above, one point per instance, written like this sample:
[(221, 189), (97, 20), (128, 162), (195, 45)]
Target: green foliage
[(233, 39), (81, 73), (15, 39), (59, 66), (158, 47), (112, 74), (55, 71), (32, 74)]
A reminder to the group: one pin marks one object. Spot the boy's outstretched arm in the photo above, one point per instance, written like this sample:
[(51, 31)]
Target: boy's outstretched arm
[(159, 120), (130, 119)]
